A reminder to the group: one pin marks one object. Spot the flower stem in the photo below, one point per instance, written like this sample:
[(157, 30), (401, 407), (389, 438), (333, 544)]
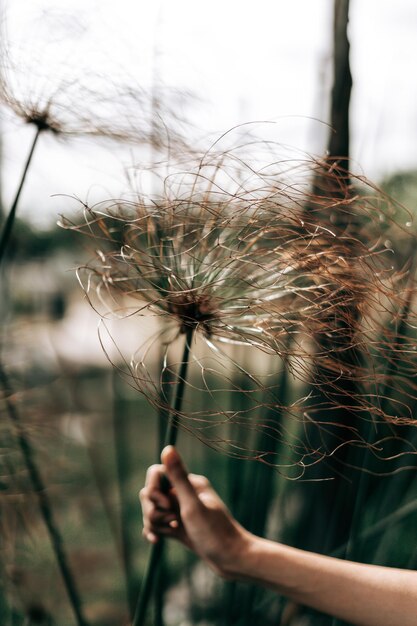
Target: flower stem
[(44, 502), (8, 225), (172, 430), (170, 439)]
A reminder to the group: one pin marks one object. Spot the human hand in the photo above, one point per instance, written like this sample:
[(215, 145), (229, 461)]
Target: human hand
[(192, 512)]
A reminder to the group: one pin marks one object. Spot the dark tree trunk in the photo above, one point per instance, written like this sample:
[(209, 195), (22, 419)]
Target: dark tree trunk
[(327, 507), (338, 144)]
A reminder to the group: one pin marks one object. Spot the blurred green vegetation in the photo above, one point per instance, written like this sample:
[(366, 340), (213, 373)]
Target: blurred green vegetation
[(403, 188), (30, 243)]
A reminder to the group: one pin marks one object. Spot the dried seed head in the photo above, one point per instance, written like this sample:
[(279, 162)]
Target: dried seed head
[(192, 312), (43, 121), (270, 269)]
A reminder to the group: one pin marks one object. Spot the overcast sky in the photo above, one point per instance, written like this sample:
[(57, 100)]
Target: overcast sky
[(241, 61)]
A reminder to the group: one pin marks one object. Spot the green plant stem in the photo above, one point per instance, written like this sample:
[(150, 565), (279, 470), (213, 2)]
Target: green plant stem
[(122, 435), (172, 430), (8, 225), (44, 503), (170, 439), (167, 381)]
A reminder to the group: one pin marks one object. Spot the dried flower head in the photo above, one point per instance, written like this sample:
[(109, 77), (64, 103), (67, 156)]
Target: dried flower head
[(40, 86), (242, 275), (267, 266)]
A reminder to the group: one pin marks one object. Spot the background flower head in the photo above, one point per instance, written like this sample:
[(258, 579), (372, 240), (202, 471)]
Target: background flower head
[(63, 88)]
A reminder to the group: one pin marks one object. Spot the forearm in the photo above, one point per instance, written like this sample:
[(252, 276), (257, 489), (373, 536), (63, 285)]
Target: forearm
[(364, 595)]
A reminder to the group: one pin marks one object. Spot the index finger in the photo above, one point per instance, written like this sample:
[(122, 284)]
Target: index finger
[(154, 486), (154, 475)]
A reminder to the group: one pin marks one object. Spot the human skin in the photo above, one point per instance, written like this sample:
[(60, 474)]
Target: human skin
[(193, 513)]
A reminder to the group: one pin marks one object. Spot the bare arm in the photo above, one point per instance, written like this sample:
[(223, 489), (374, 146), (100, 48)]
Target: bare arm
[(365, 595)]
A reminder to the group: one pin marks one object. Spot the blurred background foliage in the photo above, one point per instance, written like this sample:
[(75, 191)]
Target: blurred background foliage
[(92, 437)]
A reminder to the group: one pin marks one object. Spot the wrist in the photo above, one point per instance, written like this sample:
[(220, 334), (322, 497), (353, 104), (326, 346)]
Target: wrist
[(236, 565), (262, 561)]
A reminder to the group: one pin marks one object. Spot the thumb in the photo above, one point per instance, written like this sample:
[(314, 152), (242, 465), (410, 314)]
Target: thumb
[(178, 477)]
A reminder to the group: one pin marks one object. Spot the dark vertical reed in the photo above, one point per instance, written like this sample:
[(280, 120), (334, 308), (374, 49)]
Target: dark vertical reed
[(328, 505), (122, 437), (170, 439), (369, 479), (262, 480), (167, 381), (8, 225), (44, 503)]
